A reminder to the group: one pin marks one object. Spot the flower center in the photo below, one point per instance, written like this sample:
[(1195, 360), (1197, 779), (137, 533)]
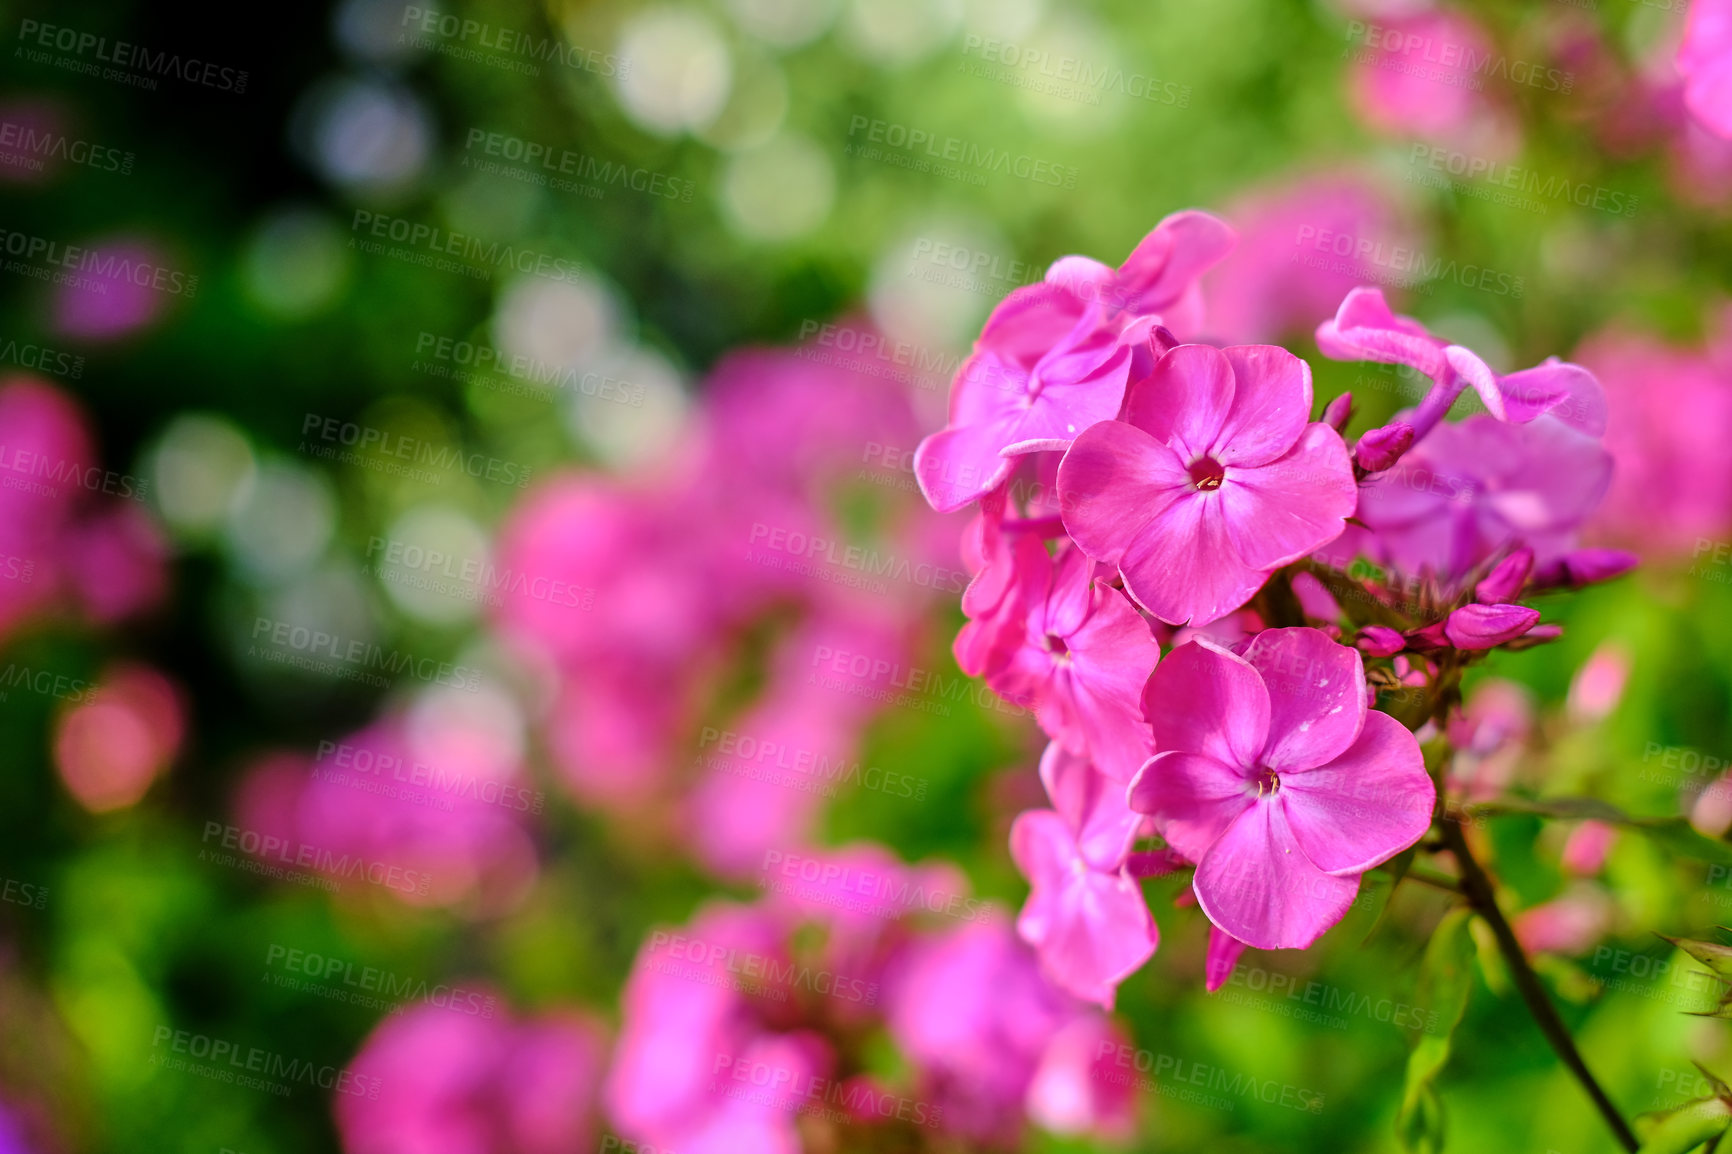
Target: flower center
[(1055, 645), (1268, 781), (1207, 474)]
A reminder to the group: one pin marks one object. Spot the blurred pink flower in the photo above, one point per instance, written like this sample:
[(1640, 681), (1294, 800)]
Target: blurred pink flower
[(1421, 74), (1705, 60), (1488, 734), (1303, 247), (1570, 924), (1587, 846), (122, 286), (438, 817), (461, 1083), (1598, 685), (1668, 407), (111, 745)]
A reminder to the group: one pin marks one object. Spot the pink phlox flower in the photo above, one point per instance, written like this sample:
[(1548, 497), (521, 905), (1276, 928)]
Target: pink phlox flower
[(1705, 60), (1090, 926), (1082, 659), (1278, 781), (1215, 478), (1161, 276)]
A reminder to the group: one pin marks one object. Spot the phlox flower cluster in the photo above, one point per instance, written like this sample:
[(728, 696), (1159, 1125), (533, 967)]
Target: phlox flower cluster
[(1205, 606)]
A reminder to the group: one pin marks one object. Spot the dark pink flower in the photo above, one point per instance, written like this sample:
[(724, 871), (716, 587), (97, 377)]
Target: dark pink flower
[(1277, 780), (1159, 278), (1215, 478), (1475, 627), (1090, 927)]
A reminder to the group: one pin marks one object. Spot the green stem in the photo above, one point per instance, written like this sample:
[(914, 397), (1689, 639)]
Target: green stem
[(1477, 888)]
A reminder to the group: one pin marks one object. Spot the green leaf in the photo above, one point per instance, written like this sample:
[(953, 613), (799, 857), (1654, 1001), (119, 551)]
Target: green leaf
[(1445, 981), (1682, 1130)]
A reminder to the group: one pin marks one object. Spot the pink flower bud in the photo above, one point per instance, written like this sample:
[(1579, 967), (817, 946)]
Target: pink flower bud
[(1338, 412), (1380, 641), (1382, 447), (1599, 685), (1506, 578), (1476, 627)]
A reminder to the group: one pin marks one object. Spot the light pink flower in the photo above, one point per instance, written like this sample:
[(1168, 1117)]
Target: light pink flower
[(1090, 927), (1092, 805), (1215, 478), (1274, 777), (1415, 75), (1598, 685), (1083, 657), (1075, 1090), (113, 744), (124, 286), (1705, 59)]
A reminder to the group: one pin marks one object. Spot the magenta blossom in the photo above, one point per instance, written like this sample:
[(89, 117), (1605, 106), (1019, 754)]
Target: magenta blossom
[(1092, 805), (1090, 927), (1055, 357), (1083, 657), (1215, 478), (1480, 486), (1705, 59), (1278, 781), (1365, 329)]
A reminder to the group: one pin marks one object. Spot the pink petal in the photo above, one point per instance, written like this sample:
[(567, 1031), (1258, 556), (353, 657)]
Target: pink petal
[(1270, 408), (1477, 373), (1113, 480), (1224, 951), (1027, 324), (1475, 627), (1365, 329), (1202, 699), (1091, 929), (1256, 884), (1568, 393), (1192, 798), (1167, 262), (1185, 567), (1380, 448), (1184, 403), (1316, 694), (1507, 577), (1278, 512), (957, 465), (1380, 641), (1082, 276), (1364, 807), (1092, 805)]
